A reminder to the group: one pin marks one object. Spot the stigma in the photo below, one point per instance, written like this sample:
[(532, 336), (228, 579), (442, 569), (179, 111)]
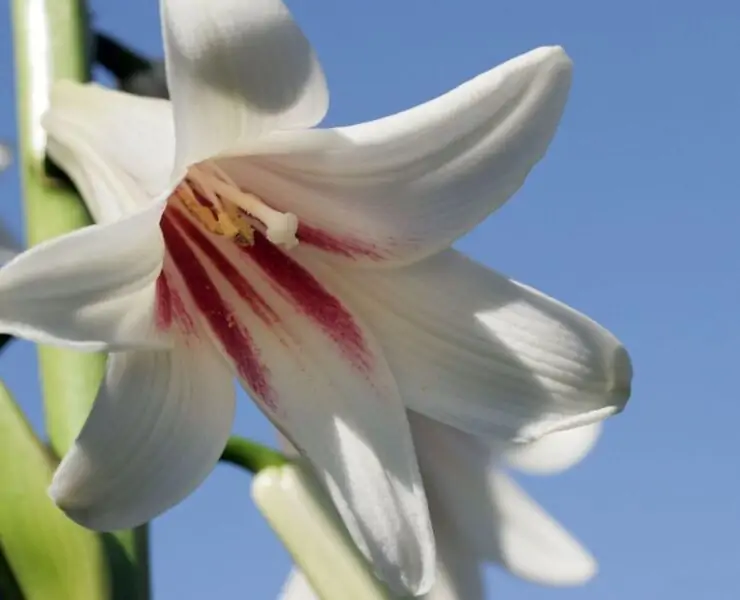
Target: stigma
[(224, 209)]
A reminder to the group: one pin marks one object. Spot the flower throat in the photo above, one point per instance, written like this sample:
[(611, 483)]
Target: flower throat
[(223, 209)]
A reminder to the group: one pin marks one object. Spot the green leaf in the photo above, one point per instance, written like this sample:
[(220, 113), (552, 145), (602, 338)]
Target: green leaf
[(51, 557)]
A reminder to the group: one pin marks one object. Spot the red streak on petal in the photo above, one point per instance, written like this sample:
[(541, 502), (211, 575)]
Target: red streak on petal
[(170, 307), (343, 246), (232, 275), (163, 318), (312, 299), (235, 340)]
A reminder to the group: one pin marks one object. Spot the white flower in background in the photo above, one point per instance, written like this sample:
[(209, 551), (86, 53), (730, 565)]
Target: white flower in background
[(313, 265), (480, 515)]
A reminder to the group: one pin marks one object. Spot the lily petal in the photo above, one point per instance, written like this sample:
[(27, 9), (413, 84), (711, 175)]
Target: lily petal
[(491, 512), (92, 289), (318, 374), (555, 452), (478, 351), (157, 429), (95, 135), (532, 545), (458, 574), (401, 188), (237, 70)]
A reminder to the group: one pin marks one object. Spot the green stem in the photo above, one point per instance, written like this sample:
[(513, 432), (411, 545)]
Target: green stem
[(250, 455), (128, 557), (49, 45), (51, 42)]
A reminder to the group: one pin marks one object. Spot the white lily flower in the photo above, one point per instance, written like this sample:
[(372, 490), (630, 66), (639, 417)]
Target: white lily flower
[(480, 515), (314, 265)]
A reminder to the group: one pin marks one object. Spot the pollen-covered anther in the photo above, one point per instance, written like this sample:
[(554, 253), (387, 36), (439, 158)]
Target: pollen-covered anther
[(212, 218), (242, 210)]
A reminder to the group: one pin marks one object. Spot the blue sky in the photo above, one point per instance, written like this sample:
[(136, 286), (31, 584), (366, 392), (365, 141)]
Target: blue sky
[(633, 218)]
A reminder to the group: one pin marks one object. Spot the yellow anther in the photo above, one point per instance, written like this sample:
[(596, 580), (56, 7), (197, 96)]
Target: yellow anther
[(213, 219)]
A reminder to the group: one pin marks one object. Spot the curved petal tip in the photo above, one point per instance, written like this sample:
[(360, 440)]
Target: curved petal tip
[(556, 452), (620, 383), (549, 65)]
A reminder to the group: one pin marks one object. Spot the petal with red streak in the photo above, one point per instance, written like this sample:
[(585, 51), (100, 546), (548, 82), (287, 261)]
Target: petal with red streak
[(322, 379)]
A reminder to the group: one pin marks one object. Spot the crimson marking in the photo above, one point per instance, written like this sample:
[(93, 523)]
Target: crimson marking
[(235, 340), (164, 303), (312, 299), (170, 307), (233, 276), (343, 246)]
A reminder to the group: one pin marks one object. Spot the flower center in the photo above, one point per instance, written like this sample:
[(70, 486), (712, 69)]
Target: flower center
[(222, 208)]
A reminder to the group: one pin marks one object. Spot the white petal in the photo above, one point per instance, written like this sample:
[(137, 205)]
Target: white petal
[(158, 427), (93, 288), (532, 544), (458, 574), (406, 186), (303, 517), (476, 350), (318, 374), (237, 70), (488, 509), (458, 565), (555, 452), (117, 148)]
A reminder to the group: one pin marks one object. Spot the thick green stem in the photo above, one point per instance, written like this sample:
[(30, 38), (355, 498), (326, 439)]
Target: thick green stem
[(250, 455), (51, 43)]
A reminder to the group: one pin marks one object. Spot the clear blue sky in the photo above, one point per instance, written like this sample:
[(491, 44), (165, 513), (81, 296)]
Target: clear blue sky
[(633, 217)]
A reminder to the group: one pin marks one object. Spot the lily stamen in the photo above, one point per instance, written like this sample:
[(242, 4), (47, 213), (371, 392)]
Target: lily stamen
[(280, 228), (213, 218)]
